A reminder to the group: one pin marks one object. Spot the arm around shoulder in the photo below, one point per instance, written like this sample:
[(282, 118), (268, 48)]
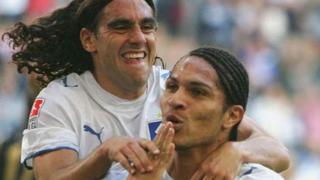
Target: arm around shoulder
[(254, 144)]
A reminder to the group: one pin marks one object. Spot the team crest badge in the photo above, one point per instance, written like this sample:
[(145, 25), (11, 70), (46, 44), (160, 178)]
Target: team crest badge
[(153, 127)]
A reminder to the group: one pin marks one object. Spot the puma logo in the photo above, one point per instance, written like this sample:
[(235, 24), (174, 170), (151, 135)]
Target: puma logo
[(88, 129)]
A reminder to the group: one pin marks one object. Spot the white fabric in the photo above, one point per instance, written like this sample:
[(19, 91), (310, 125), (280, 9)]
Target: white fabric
[(76, 111), (250, 171)]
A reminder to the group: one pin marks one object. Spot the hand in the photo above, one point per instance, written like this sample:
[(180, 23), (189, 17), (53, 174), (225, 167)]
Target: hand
[(164, 141), (162, 161), (131, 153), (222, 164)]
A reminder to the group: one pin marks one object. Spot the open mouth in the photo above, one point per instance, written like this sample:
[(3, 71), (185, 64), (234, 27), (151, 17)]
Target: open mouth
[(134, 57), (176, 122)]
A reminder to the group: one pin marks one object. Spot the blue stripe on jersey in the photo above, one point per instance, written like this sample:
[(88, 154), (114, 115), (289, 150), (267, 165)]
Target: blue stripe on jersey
[(249, 171), (43, 152)]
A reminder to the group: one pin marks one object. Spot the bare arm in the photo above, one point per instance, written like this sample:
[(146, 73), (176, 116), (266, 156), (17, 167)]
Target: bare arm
[(64, 164), (257, 146), (254, 145)]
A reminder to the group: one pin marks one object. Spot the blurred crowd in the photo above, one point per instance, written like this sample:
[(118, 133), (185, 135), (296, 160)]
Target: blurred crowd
[(277, 40)]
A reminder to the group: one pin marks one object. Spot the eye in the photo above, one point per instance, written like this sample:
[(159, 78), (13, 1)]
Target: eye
[(171, 87), (120, 26), (198, 92), (148, 27)]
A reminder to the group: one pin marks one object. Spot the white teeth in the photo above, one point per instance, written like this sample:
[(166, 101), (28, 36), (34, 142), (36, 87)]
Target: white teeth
[(134, 55)]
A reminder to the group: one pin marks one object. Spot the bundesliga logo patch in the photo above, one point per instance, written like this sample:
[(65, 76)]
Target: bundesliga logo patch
[(35, 111)]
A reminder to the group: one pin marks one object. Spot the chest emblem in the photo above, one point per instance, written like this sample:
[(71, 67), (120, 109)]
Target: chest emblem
[(88, 129), (153, 128)]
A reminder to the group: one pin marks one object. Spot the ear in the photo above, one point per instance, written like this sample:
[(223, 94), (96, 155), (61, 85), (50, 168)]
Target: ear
[(88, 39), (233, 115)]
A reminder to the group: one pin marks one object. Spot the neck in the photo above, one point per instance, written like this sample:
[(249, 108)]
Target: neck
[(123, 91), (187, 161)]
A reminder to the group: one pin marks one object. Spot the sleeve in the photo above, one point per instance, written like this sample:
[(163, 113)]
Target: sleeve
[(254, 171), (50, 127)]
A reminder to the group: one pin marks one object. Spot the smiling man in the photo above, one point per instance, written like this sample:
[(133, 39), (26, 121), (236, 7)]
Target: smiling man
[(100, 108)]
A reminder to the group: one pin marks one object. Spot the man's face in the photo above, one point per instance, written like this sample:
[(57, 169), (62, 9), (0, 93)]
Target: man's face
[(193, 102), (124, 45)]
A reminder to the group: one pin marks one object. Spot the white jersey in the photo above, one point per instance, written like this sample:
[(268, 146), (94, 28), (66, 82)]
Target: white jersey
[(250, 171), (76, 113)]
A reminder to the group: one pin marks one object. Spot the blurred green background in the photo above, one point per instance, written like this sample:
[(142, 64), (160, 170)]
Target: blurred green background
[(277, 40)]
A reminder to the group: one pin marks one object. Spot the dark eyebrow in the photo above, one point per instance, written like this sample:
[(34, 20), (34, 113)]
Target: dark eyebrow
[(191, 83), (199, 84), (119, 21), (149, 20)]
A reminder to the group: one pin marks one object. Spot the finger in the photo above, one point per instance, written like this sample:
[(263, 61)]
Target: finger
[(218, 178), (165, 137), (160, 127), (168, 138), (132, 156), (169, 124), (150, 146), (197, 175), (208, 178), (142, 155), (229, 177), (171, 152), (164, 131), (125, 163), (161, 134), (166, 158)]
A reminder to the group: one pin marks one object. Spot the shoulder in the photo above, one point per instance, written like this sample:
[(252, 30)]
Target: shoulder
[(253, 171), (162, 73), (61, 95), (67, 86), (159, 76), (69, 82)]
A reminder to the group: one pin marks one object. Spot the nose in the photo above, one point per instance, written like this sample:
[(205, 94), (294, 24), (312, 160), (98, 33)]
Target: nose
[(136, 36), (177, 100)]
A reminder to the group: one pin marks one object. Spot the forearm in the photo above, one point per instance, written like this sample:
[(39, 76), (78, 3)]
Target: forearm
[(264, 150), (58, 167), (257, 146), (94, 167), (146, 176)]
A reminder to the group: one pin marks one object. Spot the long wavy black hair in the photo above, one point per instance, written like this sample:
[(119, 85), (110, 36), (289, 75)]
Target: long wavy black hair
[(51, 45)]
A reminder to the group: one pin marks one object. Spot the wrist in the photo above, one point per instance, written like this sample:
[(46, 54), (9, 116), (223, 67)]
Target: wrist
[(102, 156)]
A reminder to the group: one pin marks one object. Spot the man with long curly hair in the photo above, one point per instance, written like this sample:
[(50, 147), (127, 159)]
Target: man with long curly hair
[(100, 107)]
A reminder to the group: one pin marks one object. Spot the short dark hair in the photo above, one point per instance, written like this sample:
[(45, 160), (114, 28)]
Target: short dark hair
[(51, 46), (232, 75)]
